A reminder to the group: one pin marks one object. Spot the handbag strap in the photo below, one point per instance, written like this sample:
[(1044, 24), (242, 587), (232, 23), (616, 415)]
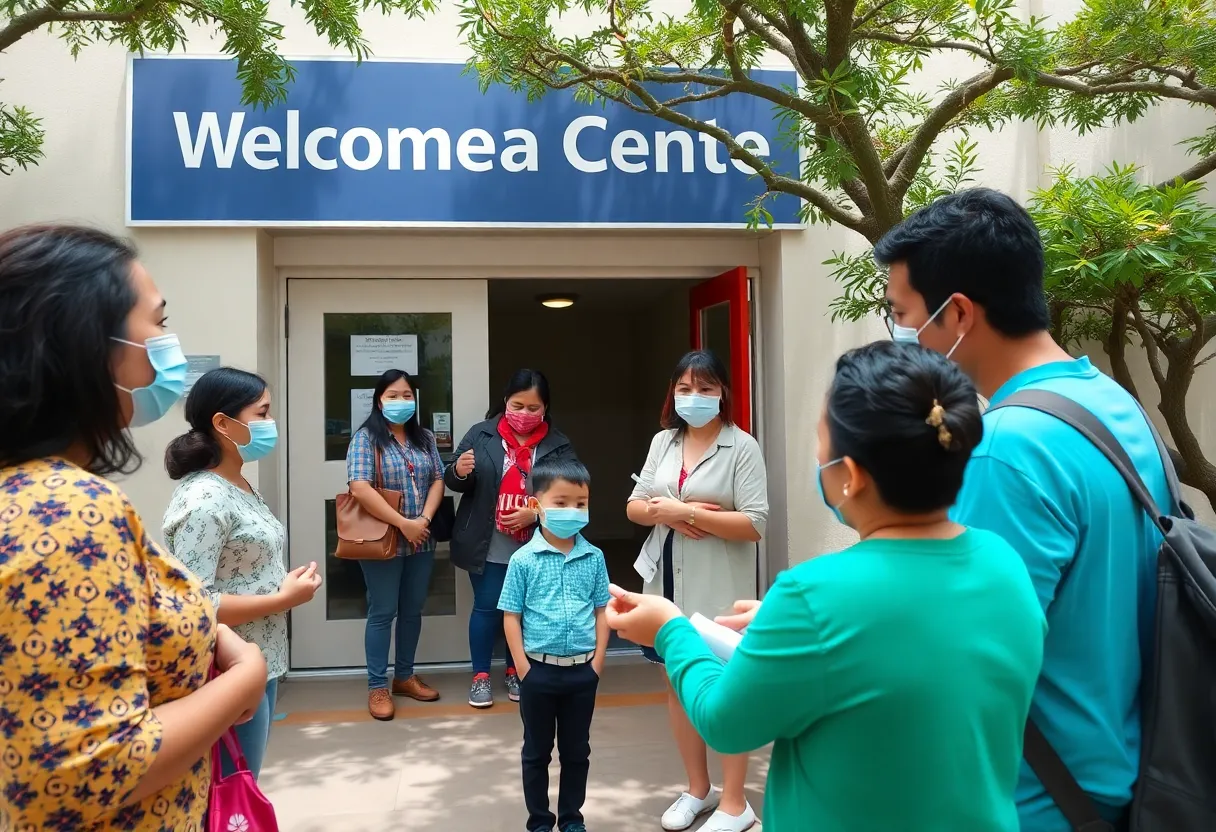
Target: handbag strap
[(228, 740), (379, 483)]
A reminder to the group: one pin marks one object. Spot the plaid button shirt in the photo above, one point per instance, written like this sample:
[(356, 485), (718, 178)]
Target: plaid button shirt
[(403, 468)]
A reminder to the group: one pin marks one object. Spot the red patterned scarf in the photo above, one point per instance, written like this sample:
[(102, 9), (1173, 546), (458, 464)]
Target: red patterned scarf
[(513, 493)]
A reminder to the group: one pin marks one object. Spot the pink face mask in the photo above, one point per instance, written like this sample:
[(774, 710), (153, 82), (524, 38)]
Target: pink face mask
[(524, 422)]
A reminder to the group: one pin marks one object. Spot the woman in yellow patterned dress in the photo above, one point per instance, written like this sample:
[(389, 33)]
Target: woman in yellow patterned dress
[(106, 714)]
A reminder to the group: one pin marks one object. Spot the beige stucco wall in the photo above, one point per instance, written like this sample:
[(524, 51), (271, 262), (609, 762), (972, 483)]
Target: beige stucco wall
[(223, 285)]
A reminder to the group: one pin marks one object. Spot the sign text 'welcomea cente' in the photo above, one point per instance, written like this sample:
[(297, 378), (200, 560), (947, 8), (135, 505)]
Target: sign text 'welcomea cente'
[(404, 143)]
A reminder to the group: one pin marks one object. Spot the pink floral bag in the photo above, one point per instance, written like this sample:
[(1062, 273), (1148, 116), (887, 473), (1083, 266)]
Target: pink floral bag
[(236, 804)]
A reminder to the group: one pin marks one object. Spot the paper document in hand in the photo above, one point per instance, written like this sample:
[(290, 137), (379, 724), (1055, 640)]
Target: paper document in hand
[(721, 640)]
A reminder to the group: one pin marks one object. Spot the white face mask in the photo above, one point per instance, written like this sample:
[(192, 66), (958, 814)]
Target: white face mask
[(908, 335)]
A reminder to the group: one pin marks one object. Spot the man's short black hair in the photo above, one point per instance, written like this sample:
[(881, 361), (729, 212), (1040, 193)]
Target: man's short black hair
[(979, 243), (549, 470)]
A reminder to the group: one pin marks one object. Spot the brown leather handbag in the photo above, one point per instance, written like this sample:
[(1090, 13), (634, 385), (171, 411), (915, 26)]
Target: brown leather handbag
[(362, 536)]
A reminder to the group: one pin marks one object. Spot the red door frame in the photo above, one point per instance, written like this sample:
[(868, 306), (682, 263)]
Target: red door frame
[(731, 288)]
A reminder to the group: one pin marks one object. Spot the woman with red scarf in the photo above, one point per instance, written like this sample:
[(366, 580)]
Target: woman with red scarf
[(491, 471)]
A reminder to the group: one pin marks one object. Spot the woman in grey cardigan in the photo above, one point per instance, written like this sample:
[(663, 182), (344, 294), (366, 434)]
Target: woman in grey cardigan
[(704, 492)]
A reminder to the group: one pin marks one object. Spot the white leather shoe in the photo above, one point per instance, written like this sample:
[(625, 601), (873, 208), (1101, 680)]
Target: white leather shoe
[(687, 809), (719, 821)]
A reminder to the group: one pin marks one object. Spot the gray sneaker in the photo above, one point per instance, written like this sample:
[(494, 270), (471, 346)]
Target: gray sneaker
[(513, 687), (480, 694)]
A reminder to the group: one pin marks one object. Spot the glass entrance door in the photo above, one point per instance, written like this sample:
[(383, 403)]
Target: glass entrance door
[(342, 335)]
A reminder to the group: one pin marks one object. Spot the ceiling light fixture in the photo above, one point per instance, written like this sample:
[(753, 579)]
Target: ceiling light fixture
[(557, 301)]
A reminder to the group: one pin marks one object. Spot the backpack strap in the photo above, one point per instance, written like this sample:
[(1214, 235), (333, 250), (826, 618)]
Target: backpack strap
[(1078, 807), (1180, 507), (1089, 426)]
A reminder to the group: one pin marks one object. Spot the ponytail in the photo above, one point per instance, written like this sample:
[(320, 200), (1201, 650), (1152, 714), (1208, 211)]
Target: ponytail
[(191, 452)]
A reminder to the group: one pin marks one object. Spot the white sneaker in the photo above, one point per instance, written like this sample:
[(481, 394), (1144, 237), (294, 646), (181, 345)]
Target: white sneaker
[(684, 812), (719, 821)]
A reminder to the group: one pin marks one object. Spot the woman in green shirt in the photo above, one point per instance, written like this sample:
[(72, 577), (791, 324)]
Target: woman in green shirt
[(894, 678)]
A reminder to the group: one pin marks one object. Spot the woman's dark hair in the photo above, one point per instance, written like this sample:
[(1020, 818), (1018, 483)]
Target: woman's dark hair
[(224, 390), (377, 426), (521, 381), (882, 412), (65, 292), (706, 368)]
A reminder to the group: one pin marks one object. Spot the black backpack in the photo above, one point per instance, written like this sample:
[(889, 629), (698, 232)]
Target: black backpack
[(1176, 788)]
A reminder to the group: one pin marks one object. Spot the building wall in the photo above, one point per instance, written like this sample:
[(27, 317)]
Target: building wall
[(223, 284)]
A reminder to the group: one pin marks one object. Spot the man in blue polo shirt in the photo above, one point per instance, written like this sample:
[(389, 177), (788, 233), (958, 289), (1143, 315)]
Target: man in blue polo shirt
[(966, 279), (554, 599)]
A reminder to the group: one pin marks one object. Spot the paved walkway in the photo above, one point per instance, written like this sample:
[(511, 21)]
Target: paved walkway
[(444, 766)]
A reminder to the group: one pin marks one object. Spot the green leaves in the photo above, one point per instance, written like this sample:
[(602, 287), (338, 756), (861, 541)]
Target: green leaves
[(20, 138), (1112, 239), (248, 33)]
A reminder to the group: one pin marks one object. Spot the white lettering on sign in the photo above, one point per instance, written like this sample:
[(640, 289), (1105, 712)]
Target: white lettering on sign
[(476, 150), (630, 149)]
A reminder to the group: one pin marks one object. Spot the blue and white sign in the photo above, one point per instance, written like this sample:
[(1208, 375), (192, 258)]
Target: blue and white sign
[(394, 143)]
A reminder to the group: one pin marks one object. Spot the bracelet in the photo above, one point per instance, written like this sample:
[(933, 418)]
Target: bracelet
[(692, 516), (424, 519)]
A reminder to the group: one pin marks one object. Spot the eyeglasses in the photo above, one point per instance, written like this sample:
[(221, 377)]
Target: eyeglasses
[(888, 320)]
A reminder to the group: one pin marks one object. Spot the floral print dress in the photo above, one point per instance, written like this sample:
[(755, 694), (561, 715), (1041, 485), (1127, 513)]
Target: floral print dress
[(233, 543), (97, 628)]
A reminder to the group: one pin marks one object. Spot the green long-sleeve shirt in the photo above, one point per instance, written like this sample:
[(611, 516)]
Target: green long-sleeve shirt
[(894, 680)]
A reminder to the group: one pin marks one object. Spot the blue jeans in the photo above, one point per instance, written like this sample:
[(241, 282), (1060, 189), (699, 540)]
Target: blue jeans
[(254, 734), (485, 624), (396, 588)]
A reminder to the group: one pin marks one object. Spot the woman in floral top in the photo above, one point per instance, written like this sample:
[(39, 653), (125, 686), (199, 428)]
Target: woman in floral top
[(106, 713), (218, 526), (409, 463)]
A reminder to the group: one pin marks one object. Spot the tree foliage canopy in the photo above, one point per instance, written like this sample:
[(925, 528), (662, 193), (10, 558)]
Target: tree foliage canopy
[(247, 31), (1130, 260), (877, 143), (860, 112)]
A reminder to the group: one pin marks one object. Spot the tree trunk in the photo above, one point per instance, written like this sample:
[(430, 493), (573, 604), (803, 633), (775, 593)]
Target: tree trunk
[(1197, 471), (1115, 347)]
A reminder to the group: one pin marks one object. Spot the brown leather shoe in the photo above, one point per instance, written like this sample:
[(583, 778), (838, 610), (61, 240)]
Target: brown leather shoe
[(415, 688), (380, 704)]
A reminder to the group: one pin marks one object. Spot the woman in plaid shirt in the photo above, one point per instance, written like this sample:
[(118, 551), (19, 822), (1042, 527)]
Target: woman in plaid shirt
[(409, 463)]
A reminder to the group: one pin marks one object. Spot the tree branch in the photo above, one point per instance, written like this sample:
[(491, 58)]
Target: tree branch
[(52, 13), (773, 181), (937, 120), (1196, 171), (1150, 345), (869, 17), (1155, 88), (925, 43), (838, 31)]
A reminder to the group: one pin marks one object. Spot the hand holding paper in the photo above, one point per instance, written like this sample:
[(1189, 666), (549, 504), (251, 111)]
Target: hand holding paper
[(721, 640)]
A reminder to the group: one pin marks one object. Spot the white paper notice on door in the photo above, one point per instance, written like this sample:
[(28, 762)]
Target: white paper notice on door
[(373, 355), (360, 407)]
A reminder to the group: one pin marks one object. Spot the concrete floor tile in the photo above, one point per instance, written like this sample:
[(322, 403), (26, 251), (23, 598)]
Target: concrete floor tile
[(460, 770)]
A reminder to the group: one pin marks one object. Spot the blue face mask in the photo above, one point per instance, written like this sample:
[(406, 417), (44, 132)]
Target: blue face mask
[(153, 401), (698, 411), (822, 495), (564, 522), (908, 335), (263, 436), (399, 411)]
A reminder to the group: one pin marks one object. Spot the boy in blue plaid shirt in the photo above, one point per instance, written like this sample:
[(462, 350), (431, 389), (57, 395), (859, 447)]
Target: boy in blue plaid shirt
[(554, 599)]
